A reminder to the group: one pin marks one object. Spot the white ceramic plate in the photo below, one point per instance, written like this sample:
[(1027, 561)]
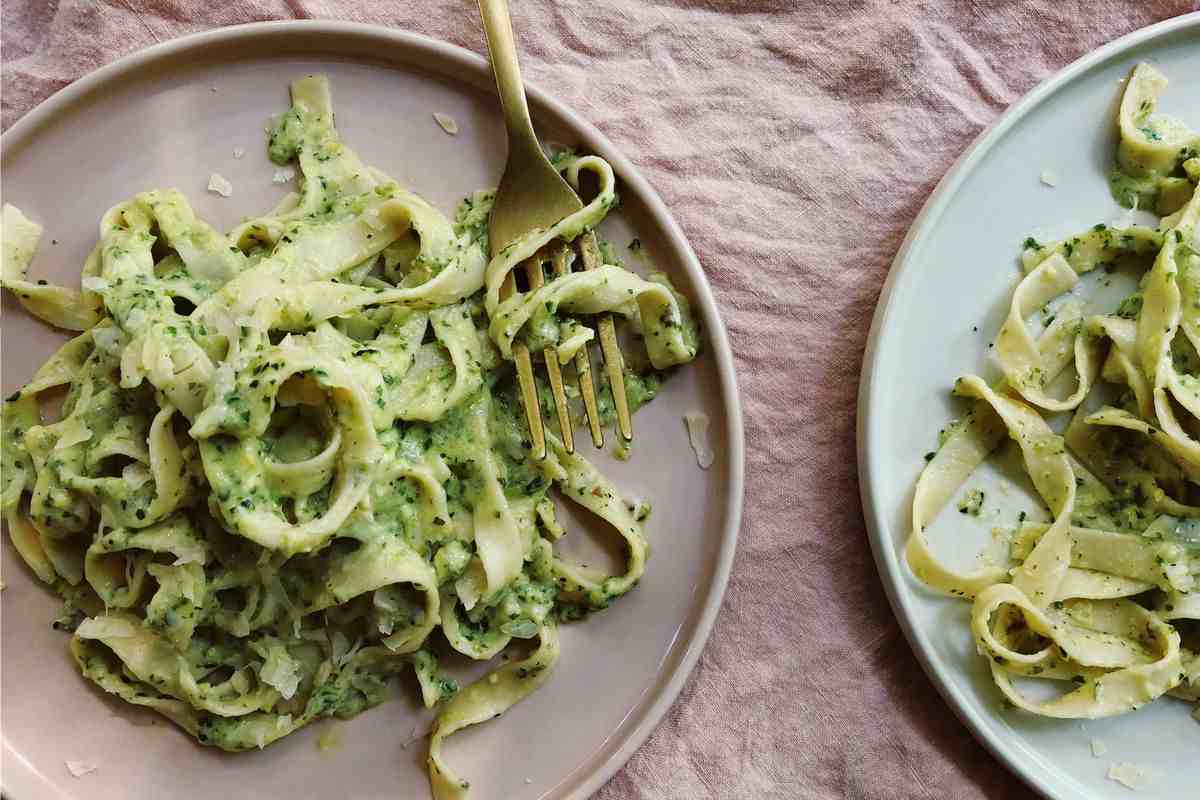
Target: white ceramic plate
[(955, 272), (171, 115)]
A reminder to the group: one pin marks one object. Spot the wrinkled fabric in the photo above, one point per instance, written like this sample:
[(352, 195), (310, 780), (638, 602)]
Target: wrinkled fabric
[(794, 142)]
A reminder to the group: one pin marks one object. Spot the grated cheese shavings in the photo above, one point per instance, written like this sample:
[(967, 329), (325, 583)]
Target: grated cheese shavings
[(1099, 748), (1049, 178), (283, 175), (446, 123), (81, 768), (697, 428), (95, 284), (1128, 775), (217, 184), (280, 671)]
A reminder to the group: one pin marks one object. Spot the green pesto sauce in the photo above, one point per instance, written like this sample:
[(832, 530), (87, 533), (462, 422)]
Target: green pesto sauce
[(1132, 191), (283, 142)]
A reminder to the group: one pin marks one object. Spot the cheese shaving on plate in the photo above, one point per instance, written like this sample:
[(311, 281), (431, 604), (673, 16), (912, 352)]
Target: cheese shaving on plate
[(446, 123), (1128, 775), (217, 184), (697, 427)]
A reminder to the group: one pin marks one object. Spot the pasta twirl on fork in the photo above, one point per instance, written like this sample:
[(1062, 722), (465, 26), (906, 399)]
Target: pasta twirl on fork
[(1105, 594), (288, 454)]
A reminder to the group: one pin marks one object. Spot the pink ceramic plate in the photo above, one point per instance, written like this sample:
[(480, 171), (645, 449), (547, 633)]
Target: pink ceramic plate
[(168, 117)]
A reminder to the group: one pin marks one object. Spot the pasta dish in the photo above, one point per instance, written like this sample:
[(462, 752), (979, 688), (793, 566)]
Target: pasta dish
[(288, 454), (1099, 587)]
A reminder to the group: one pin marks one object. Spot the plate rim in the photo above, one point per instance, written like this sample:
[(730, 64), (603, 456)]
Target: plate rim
[(892, 573), (28, 780)]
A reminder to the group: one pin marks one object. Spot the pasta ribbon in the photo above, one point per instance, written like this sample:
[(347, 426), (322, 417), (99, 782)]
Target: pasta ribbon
[(1019, 354), (1121, 655), (488, 697), (59, 306)]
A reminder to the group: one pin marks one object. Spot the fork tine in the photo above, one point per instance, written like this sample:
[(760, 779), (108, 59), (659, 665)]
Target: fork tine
[(560, 398), (533, 271), (583, 362), (583, 368), (533, 414), (614, 368), (614, 363), (529, 398)]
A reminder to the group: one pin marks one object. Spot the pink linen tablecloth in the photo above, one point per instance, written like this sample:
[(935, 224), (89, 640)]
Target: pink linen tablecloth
[(794, 142)]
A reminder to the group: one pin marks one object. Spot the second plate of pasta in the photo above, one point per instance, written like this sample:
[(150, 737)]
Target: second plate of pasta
[(1049, 494)]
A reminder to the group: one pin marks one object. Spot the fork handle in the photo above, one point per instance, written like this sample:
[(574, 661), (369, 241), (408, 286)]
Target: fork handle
[(502, 46)]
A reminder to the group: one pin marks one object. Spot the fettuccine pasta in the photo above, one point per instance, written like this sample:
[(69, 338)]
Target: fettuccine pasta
[(289, 455), (1104, 594)]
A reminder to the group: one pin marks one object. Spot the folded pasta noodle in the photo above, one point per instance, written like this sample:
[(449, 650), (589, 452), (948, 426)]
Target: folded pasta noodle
[(1104, 597), (290, 454)]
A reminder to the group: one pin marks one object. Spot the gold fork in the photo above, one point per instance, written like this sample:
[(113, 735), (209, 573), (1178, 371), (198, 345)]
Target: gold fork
[(533, 195)]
